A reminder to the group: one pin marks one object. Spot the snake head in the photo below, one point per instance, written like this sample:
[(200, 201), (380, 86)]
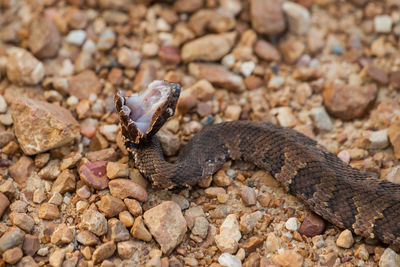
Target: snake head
[(143, 114)]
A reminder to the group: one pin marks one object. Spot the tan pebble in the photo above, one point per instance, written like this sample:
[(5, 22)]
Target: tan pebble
[(394, 137), (267, 16), (13, 255), (123, 188), (84, 84), (116, 169), (126, 218), (133, 206), (129, 58), (292, 49), (103, 252), (87, 238), (232, 112), (30, 245), (222, 198), (117, 231), (345, 239), (62, 235), (48, 211), (220, 178), (140, 231), (22, 169), (95, 222), (204, 90), (251, 244), (272, 243), (110, 206), (57, 257), (65, 182), (214, 191), (4, 203), (248, 195), (362, 252), (23, 68), (22, 220)]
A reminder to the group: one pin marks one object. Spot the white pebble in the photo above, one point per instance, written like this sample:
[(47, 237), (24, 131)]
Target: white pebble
[(383, 24), (247, 68), (276, 82), (76, 37), (229, 260), (228, 60), (89, 46), (3, 105), (72, 101), (292, 224), (43, 251)]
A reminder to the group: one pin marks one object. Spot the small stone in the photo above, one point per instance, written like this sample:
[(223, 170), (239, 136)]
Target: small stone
[(103, 252), (167, 224), (204, 90), (349, 102), (48, 211), (6, 138), (291, 50), (312, 225), (27, 261), (84, 84), (170, 143), (218, 45), (4, 203), (22, 220), (44, 38), (191, 214), (214, 191), (12, 238), (276, 82), (218, 76), (110, 206), (220, 178), (267, 16), (248, 195), (383, 24), (76, 37), (266, 51), (289, 257), (394, 79), (116, 169), (133, 206), (378, 74), (272, 243), (362, 252), (389, 258), (253, 82), (56, 199), (298, 17), (250, 245), (249, 221), (232, 112), (126, 249), (229, 235), (147, 73), (124, 188), (377, 139), (140, 231), (229, 260), (107, 154), (87, 238), (95, 222), (200, 227), (126, 218), (30, 245), (6, 119), (65, 182), (285, 117), (187, 6), (23, 68), (57, 257), (12, 255), (117, 231), (394, 137), (40, 126), (321, 119), (129, 58), (345, 239), (51, 170), (292, 224), (106, 40), (169, 56), (62, 235), (186, 101), (94, 174), (3, 105)]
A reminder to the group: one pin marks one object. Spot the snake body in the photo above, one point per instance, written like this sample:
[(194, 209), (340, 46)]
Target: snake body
[(344, 196)]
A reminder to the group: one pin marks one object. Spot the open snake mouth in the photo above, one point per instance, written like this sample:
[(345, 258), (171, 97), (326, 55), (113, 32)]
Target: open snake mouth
[(143, 114)]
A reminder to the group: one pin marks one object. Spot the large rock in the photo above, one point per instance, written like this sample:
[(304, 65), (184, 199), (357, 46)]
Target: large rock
[(267, 16), (167, 225), (349, 102), (40, 126)]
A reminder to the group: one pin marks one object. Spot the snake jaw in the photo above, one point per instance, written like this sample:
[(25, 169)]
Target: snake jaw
[(143, 114)]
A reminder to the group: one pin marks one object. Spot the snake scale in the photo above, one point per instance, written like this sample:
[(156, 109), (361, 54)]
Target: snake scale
[(342, 195)]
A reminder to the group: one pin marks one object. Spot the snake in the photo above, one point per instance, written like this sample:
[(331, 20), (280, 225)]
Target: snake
[(344, 196)]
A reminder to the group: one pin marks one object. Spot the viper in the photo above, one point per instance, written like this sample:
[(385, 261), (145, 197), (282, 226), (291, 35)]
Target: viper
[(342, 195)]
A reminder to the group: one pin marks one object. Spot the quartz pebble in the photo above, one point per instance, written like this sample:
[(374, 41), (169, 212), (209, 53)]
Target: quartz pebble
[(76, 37), (289, 257), (229, 260), (389, 258), (345, 239), (123, 188), (23, 68), (129, 58), (292, 224), (95, 222), (383, 24), (321, 119), (229, 235), (106, 39), (94, 174), (167, 225), (298, 17)]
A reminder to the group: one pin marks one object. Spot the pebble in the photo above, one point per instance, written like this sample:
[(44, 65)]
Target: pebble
[(169, 56), (146, 74), (44, 38), (167, 225), (126, 218), (12, 238), (200, 227), (318, 241), (126, 249), (232, 112), (3, 105), (23, 68), (383, 24), (104, 251), (312, 225), (133, 206), (292, 224), (186, 101), (349, 102), (106, 39), (84, 84), (285, 117), (267, 51), (110, 206), (229, 234), (76, 37), (247, 68), (21, 170), (129, 58), (117, 231), (87, 238), (94, 174), (276, 82), (248, 195), (48, 211), (140, 231), (299, 18), (65, 182), (291, 50), (218, 45), (62, 235), (22, 220), (389, 258), (13, 255), (378, 74), (218, 76), (377, 139), (30, 244), (124, 188), (345, 156), (40, 126), (116, 169), (50, 171), (95, 222), (362, 252), (191, 214), (394, 137), (289, 257), (321, 119), (249, 221), (267, 16), (70, 161), (229, 260), (170, 143), (204, 90), (345, 239), (187, 6)]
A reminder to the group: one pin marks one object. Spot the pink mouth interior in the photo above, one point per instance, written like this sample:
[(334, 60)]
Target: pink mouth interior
[(141, 107)]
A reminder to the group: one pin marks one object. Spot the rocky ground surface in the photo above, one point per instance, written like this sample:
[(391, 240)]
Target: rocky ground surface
[(69, 195)]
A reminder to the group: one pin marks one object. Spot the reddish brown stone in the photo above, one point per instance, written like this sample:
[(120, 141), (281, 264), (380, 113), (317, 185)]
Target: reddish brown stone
[(312, 225), (267, 16), (253, 82), (4, 203), (94, 174), (30, 245), (378, 74), (84, 84), (44, 39), (349, 102), (123, 188), (266, 51), (21, 170), (169, 56), (251, 244)]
